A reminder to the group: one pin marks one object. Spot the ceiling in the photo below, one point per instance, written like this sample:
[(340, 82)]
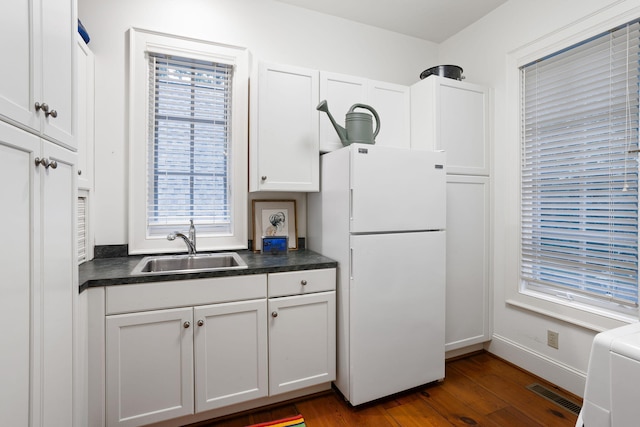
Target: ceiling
[(432, 20)]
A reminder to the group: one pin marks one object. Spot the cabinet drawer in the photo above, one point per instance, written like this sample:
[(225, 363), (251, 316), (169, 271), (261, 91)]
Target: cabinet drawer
[(301, 282), (181, 293)]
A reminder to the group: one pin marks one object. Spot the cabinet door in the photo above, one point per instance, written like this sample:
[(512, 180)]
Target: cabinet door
[(392, 102), (85, 103), (59, 26), (302, 341), (467, 291), (230, 353), (451, 115), (341, 92), (284, 145), (59, 283), (19, 218), (149, 366), (18, 39)]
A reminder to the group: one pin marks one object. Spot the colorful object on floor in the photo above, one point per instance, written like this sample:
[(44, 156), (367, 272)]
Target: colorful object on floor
[(297, 421)]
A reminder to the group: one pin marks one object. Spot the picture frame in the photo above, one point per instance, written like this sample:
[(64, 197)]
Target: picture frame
[(274, 218)]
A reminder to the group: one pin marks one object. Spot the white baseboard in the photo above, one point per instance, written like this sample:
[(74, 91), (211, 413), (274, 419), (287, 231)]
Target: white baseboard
[(564, 376)]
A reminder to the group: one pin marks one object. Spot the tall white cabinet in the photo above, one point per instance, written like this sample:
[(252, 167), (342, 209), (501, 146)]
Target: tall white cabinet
[(451, 115), (38, 295), (38, 216)]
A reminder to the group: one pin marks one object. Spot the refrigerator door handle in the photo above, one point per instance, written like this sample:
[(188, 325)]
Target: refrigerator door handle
[(351, 263)]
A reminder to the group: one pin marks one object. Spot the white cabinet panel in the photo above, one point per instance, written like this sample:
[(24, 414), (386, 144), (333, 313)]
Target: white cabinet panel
[(149, 366), (17, 151), (230, 348), (451, 115), (341, 92), (38, 263), (467, 290), (284, 149), (302, 341), (37, 39), (391, 102), (85, 102)]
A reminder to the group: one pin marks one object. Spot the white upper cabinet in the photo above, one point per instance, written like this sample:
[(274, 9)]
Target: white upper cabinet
[(37, 90), (284, 150), (391, 102), (85, 103), (451, 115)]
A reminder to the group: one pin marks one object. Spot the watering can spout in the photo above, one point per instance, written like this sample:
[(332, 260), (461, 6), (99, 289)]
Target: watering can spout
[(342, 132)]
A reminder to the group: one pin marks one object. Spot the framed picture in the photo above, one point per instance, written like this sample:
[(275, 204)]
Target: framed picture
[(274, 218)]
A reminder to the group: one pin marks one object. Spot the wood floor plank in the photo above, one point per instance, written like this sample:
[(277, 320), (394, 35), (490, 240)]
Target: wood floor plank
[(479, 390)]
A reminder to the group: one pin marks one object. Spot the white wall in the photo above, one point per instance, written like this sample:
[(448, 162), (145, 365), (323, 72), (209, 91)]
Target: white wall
[(486, 51), (272, 31)]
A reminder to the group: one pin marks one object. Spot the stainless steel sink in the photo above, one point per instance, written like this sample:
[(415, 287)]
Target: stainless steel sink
[(167, 264)]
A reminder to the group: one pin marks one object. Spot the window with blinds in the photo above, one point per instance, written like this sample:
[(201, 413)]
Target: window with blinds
[(579, 171), (189, 145)]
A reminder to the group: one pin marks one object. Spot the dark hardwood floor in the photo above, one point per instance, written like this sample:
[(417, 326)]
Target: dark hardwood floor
[(479, 390)]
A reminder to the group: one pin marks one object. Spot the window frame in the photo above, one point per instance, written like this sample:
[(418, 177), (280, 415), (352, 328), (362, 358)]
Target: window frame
[(140, 43), (593, 318)]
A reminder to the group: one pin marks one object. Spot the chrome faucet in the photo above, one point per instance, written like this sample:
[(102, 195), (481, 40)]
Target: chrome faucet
[(190, 241)]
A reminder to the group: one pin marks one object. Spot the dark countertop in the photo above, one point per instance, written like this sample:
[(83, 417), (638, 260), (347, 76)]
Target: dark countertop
[(117, 271)]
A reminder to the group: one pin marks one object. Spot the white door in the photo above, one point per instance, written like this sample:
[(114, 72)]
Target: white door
[(396, 189), (392, 102), (59, 283), (397, 297), (58, 73), (302, 341), (19, 37), (18, 217), (341, 92), (467, 308), (149, 366), (284, 146), (230, 353)]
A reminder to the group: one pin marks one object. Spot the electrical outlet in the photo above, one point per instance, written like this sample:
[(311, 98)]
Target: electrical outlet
[(552, 339)]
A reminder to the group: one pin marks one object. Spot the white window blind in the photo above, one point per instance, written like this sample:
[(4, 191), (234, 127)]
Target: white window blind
[(189, 145), (579, 179)]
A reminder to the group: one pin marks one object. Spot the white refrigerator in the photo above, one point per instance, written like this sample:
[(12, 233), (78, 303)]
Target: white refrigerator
[(381, 213)]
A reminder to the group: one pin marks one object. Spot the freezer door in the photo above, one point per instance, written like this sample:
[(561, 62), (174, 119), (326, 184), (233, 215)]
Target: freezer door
[(397, 287), (396, 189)]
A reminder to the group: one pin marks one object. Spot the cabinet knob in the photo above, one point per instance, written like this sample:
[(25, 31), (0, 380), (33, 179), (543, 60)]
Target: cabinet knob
[(264, 177), (274, 314), (79, 172), (52, 164), (44, 107), (186, 324), (303, 282), (39, 161), (52, 113), (200, 322)]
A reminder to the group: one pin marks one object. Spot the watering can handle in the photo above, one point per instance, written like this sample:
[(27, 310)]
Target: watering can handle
[(375, 114)]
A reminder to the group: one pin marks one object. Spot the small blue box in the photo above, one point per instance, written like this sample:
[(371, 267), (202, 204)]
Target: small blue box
[(275, 245)]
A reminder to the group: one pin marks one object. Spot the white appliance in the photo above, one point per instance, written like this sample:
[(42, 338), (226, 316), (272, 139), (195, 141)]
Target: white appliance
[(612, 395), (381, 213)]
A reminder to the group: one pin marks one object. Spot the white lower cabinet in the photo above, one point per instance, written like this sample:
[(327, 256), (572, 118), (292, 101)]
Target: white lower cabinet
[(173, 349), (149, 366), (230, 353), (468, 290), (156, 359), (301, 341)]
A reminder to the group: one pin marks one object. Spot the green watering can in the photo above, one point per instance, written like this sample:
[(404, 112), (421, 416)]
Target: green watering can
[(359, 126)]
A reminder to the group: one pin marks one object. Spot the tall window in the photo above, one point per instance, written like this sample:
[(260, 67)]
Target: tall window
[(579, 179), (189, 144)]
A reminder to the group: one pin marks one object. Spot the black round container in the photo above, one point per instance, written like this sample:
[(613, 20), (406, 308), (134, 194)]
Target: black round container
[(448, 71)]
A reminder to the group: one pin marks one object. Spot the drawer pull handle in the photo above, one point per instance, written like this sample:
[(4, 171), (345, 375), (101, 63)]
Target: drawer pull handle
[(303, 282), (274, 314)]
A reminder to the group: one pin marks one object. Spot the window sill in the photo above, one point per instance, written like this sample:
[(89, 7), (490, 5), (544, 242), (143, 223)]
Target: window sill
[(581, 315)]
